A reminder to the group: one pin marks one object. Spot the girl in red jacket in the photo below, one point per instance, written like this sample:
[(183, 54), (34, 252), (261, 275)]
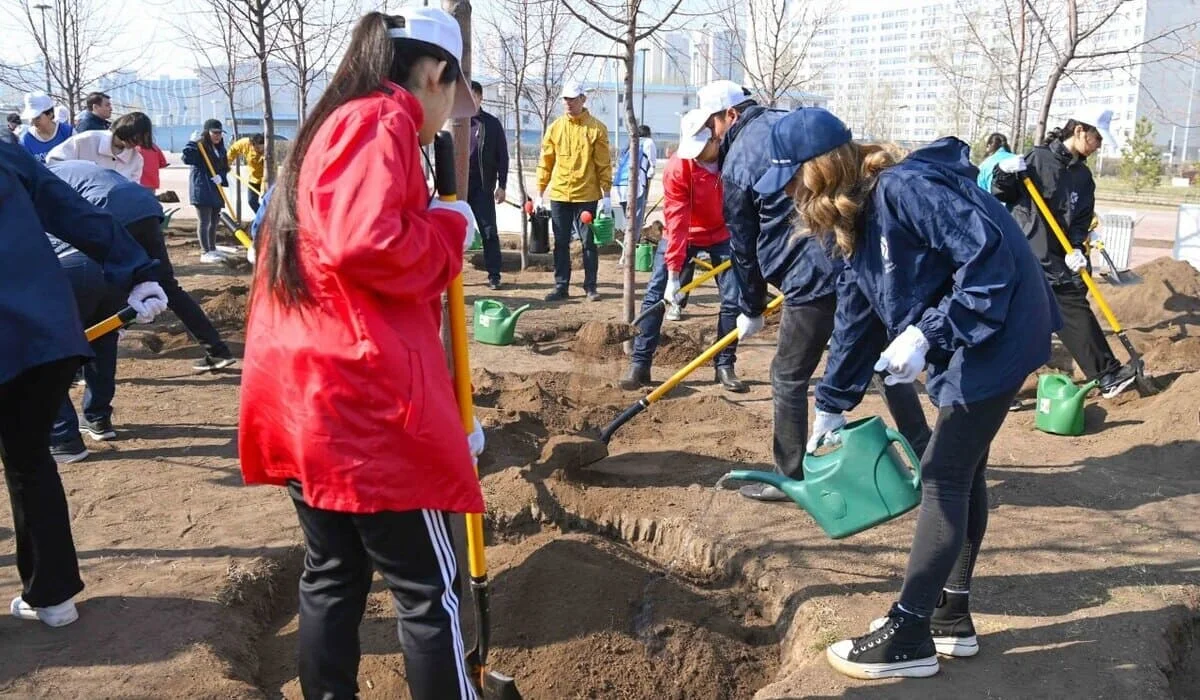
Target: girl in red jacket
[(695, 223), (346, 396)]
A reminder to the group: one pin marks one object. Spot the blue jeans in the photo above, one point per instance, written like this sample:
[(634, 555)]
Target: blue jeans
[(484, 207), (565, 217), (96, 301), (646, 342)]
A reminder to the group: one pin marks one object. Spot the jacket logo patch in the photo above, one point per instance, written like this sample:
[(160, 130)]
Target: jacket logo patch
[(888, 265)]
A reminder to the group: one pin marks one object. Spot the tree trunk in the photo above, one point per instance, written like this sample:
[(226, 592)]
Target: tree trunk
[(268, 114), (634, 223), (522, 246)]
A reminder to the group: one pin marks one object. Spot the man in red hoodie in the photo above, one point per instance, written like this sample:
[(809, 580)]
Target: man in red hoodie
[(695, 223)]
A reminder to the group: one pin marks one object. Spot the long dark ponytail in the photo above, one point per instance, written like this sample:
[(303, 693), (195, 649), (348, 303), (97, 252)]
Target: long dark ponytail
[(1066, 131), (995, 141), (371, 59)]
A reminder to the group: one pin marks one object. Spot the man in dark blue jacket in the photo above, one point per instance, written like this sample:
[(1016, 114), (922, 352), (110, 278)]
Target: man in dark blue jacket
[(41, 346), (97, 115), (487, 181)]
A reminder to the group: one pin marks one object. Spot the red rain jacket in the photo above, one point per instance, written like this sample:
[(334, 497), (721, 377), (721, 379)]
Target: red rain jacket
[(692, 201), (350, 394)]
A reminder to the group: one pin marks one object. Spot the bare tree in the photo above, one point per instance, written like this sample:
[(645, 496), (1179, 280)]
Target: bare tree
[(257, 22), (556, 37), (315, 31), (771, 41), (220, 53)]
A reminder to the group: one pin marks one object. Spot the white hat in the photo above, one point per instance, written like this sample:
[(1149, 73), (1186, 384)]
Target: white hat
[(1099, 117), (720, 95), (35, 104), (572, 89), (435, 26), (62, 115), (693, 135)]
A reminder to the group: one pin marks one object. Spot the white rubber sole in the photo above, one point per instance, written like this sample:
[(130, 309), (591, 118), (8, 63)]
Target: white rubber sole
[(59, 615), (916, 668)]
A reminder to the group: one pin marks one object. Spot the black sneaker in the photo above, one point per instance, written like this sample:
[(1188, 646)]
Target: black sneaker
[(1016, 405), (69, 452), (558, 295), (211, 363), (901, 648), (593, 296), (494, 285), (101, 429), (1115, 382), (951, 626)]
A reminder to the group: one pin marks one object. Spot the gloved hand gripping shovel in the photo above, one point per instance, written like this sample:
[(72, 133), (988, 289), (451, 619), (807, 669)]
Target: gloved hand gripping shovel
[(491, 684), (122, 318), (1146, 387), (661, 305)]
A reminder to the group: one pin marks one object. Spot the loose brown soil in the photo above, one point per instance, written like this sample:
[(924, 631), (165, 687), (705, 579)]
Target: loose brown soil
[(627, 575)]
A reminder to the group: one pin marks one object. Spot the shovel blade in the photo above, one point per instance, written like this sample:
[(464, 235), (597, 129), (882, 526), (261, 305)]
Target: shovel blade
[(497, 686)]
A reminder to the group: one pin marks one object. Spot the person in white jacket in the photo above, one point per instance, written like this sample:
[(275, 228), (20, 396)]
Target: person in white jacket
[(114, 150)]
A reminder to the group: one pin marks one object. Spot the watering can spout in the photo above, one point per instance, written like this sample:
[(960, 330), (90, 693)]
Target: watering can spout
[(794, 488), (508, 323)]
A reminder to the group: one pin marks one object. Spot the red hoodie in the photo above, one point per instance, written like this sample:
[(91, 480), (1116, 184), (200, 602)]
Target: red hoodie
[(153, 159), (692, 201), (350, 394)]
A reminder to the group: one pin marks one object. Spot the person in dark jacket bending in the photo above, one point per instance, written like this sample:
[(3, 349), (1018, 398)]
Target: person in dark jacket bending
[(1060, 172), (765, 252), (487, 181), (42, 344), (934, 276)]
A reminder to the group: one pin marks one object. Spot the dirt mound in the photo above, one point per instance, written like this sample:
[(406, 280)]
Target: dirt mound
[(602, 340), (678, 345), (1164, 354), (558, 402), (1169, 293), (228, 308)]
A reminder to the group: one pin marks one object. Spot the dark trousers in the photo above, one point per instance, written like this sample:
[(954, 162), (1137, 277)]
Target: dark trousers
[(565, 217), (414, 553), (252, 197), (206, 230), (646, 342), (148, 234), (45, 549), (1081, 332), (95, 301), (804, 331), (484, 207), (953, 514)]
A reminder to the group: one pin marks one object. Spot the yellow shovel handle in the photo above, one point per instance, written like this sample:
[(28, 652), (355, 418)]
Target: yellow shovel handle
[(712, 272), (239, 234), (703, 263), (1066, 246)]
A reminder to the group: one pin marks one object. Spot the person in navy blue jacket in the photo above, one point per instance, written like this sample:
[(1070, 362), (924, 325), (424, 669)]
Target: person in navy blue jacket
[(937, 277), (41, 346), (204, 187)]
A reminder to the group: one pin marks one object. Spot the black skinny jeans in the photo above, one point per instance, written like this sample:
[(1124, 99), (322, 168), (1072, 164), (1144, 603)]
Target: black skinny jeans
[(565, 217), (953, 514), (1081, 332), (46, 557)]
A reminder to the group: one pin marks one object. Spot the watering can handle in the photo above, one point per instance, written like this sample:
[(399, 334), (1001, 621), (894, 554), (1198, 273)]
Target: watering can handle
[(896, 437)]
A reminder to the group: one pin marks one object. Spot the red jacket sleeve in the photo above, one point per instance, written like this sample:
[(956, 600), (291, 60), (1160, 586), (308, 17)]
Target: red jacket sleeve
[(677, 210), (371, 214), (162, 157)]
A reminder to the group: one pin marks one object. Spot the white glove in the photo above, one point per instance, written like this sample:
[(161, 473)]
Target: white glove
[(904, 358), (475, 440), (251, 256), (501, 195), (196, 136), (1013, 164), (1076, 260), (822, 431), (672, 294), (606, 205), (216, 180), (459, 207), (748, 325), (148, 300), (539, 202)]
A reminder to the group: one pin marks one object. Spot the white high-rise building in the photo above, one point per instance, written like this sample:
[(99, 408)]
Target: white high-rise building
[(669, 60), (714, 57)]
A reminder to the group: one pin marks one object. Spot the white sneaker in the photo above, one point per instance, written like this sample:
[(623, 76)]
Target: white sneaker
[(230, 250), (59, 615), (674, 313), (212, 256)]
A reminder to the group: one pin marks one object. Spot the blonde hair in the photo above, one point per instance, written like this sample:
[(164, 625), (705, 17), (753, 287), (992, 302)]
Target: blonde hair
[(833, 187)]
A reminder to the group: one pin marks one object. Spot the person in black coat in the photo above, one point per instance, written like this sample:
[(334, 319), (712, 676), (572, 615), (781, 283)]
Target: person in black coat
[(204, 187), (487, 181)]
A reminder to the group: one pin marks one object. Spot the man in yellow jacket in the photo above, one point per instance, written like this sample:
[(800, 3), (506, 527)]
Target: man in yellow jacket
[(574, 175), (250, 149)]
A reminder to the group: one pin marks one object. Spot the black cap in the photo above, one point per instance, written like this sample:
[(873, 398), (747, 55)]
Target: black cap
[(212, 125), (14, 118)]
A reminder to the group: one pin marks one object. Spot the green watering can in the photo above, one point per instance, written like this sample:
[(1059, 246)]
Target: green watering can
[(1060, 404), (644, 259), (602, 229), (476, 242), (494, 323), (861, 483)]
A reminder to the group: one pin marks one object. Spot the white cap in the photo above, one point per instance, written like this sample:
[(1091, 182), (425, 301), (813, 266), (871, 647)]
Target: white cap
[(35, 104), (693, 135), (435, 26), (62, 115), (720, 95), (1099, 117), (572, 89)]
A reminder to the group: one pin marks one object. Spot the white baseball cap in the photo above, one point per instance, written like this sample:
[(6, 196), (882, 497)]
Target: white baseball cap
[(693, 135), (435, 26), (572, 89), (35, 104), (1100, 117), (720, 95)]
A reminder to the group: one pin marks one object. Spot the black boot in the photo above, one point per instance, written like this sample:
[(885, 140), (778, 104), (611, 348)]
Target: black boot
[(637, 377), (727, 377), (902, 647), (951, 626)]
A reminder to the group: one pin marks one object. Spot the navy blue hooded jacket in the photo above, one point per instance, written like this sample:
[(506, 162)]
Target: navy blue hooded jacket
[(938, 253), (88, 121), (39, 322), (201, 190), (760, 227), (126, 200)]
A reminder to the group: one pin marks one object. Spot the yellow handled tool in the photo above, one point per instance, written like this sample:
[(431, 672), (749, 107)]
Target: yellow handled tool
[(492, 684), (238, 233), (702, 263), (666, 387), (1145, 386), (112, 323), (661, 304)]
